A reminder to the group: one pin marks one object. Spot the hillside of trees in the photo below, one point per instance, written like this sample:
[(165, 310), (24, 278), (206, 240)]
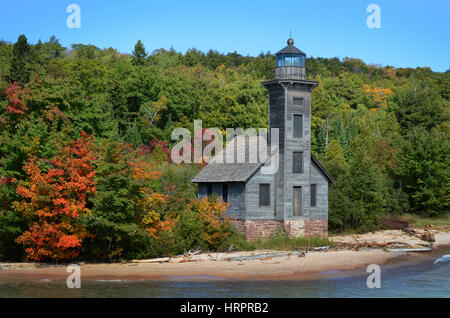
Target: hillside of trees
[(85, 169)]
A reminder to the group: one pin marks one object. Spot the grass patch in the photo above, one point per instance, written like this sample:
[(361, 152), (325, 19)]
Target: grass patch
[(278, 241), (332, 233), (420, 221)]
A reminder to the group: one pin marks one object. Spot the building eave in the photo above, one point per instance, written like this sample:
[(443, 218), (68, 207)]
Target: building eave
[(319, 165)]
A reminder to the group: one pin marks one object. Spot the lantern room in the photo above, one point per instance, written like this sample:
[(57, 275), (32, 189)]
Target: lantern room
[(290, 62)]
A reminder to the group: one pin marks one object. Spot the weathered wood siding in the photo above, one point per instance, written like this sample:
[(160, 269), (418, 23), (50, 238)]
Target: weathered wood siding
[(277, 119), (254, 211), (236, 197), (282, 109), (320, 212), (297, 144)]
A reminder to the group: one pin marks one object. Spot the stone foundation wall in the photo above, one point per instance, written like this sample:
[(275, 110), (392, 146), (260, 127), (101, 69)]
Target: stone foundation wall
[(239, 226), (254, 229), (295, 228), (316, 228)]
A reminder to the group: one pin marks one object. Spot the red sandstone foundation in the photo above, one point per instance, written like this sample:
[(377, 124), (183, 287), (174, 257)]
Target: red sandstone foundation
[(255, 229)]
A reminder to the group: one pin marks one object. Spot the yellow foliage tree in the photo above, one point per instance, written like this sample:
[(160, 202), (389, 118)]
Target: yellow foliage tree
[(212, 213), (379, 95)]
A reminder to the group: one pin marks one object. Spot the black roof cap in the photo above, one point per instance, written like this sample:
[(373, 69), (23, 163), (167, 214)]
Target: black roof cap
[(290, 49)]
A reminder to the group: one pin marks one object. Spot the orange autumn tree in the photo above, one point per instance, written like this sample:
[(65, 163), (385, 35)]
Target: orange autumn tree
[(379, 95), (54, 199)]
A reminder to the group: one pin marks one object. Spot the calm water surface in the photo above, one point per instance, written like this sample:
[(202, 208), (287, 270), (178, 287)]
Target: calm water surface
[(425, 279)]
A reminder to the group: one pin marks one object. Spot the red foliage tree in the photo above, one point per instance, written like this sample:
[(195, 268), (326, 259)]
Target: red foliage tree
[(200, 134), (53, 200), (14, 93), (155, 145)]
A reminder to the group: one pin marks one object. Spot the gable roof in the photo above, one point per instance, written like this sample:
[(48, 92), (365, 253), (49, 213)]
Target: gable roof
[(217, 172), (226, 172), (233, 172), (321, 168)]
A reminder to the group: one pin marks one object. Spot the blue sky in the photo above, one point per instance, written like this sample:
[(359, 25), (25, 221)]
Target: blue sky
[(413, 33)]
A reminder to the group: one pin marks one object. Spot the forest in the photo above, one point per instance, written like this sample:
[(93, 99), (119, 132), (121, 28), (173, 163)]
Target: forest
[(85, 168)]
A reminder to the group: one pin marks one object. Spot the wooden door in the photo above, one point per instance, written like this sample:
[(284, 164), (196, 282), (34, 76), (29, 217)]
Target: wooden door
[(297, 201)]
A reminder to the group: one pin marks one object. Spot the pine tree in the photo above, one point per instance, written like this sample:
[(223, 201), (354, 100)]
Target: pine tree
[(20, 68), (139, 54), (54, 47), (321, 143), (134, 136), (118, 102)]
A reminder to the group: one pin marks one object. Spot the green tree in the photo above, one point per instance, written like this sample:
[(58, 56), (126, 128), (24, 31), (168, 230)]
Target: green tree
[(359, 198), (319, 142), (20, 64), (115, 215), (85, 51), (423, 171), (418, 104), (139, 54), (118, 102), (44, 52), (335, 160)]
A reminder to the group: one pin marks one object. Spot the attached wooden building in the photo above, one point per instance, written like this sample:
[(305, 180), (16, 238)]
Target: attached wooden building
[(295, 196)]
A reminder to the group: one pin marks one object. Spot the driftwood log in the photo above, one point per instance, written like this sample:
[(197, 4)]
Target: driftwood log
[(265, 256), (368, 244)]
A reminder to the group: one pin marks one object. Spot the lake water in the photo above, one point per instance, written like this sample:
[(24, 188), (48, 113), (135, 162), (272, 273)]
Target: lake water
[(423, 279)]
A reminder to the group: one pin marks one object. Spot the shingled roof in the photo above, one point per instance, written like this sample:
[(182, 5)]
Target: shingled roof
[(290, 49), (217, 172)]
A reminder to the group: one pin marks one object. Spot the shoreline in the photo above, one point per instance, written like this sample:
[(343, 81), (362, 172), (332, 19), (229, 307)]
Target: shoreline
[(314, 265)]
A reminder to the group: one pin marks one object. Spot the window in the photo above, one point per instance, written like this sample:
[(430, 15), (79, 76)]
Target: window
[(225, 192), (289, 59), (313, 194), (297, 126), (298, 101), (264, 195), (297, 162), (209, 189)]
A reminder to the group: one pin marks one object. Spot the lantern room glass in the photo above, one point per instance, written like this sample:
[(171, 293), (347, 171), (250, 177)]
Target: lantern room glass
[(297, 60)]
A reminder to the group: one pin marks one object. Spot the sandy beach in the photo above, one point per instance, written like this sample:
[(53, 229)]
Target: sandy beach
[(277, 265)]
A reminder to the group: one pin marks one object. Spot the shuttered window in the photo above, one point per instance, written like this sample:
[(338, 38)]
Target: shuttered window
[(298, 126), (297, 162), (313, 194), (264, 195)]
